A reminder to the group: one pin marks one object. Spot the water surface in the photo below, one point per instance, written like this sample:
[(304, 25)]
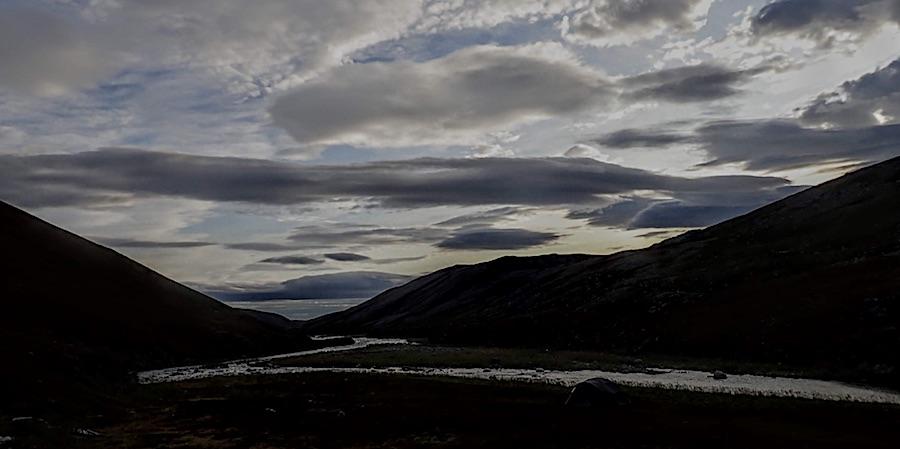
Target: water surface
[(298, 309)]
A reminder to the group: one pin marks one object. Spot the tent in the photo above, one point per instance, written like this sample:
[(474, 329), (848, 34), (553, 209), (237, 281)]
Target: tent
[(596, 392)]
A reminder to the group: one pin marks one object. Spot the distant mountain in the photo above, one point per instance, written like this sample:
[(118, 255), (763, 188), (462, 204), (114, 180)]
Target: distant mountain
[(74, 310), (812, 281), (346, 285)]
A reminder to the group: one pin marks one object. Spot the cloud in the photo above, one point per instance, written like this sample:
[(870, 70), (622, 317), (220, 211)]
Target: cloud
[(46, 54), (338, 256), (318, 236), (785, 144), (638, 138), (148, 244), (455, 100), (772, 145), (873, 99), (689, 210), (256, 47), (261, 246), (292, 260), (496, 239), (355, 284), (618, 22), (824, 21), (675, 214), (485, 218), (660, 234), (347, 257), (441, 15), (617, 215), (462, 98), (397, 260), (92, 178), (702, 82)]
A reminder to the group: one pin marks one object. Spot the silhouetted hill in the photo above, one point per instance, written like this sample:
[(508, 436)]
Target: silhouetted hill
[(812, 280), (74, 311)]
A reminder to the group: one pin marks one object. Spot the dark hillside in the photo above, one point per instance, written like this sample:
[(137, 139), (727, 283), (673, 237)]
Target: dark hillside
[(812, 280), (74, 311)]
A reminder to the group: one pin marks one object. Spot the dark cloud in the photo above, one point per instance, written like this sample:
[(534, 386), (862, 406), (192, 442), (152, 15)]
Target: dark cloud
[(688, 210), (496, 239), (702, 82), (873, 99), (347, 257), (636, 138), (820, 20), (353, 257), (148, 244), (772, 144), (658, 234), (292, 260), (83, 178), (397, 260), (357, 284), (783, 144)]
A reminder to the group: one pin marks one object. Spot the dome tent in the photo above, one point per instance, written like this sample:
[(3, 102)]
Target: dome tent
[(596, 392)]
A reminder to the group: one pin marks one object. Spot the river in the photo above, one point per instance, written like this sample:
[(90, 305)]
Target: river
[(697, 381)]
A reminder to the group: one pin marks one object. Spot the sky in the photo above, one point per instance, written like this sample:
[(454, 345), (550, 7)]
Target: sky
[(332, 149)]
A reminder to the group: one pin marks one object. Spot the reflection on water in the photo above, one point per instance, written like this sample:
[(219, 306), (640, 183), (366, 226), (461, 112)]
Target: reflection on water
[(671, 379), (298, 309)]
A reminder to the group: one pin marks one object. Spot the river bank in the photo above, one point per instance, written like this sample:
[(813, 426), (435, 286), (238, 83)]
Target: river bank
[(328, 410)]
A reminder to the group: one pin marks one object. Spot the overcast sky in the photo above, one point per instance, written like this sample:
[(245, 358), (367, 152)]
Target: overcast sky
[(291, 146)]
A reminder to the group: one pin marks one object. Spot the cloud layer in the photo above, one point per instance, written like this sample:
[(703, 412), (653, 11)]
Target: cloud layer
[(781, 144), (107, 176), (293, 260), (700, 82), (462, 98), (46, 54), (823, 21), (685, 211), (770, 144), (873, 99), (617, 22), (353, 284), (496, 239), (451, 100)]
